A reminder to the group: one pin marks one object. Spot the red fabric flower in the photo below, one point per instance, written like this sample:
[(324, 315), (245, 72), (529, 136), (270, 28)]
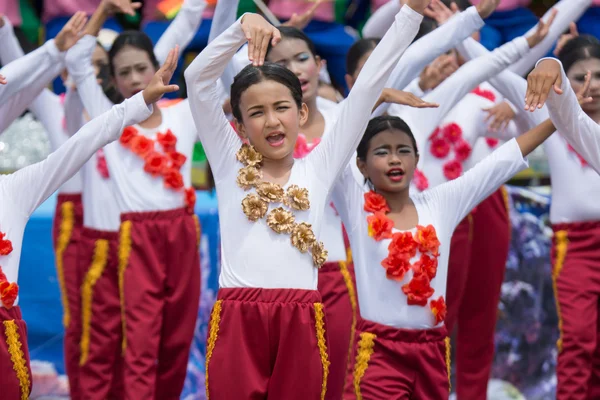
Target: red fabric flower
[(396, 266), (101, 165), (127, 136), (487, 94), (426, 265), (302, 148), (439, 147), (375, 202), (380, 226), (462, 149), (403, 244), (581, 159), (453, 132), (418, 290), (173, 178), (420, 180), (155, 163), (452, 169), (2, 276), (8, 293), (436, 134), (438, 308), (177, 159), (492, 142), (427, 239), (168, 140), (141, 145), (5, 245), (190, 198)]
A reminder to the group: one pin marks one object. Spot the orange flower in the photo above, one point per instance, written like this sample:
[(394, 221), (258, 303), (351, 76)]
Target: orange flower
[(8, 293), (167, 140), (396, 266), (128, 134), (177, 159), (141, 145), (427, 239), (190, 198), (375, 202), (155, 163), (2, 276), (380, 226), (438, 308), (426, 265), (173, 179), (5, 245), (403, 244), (418, 290)]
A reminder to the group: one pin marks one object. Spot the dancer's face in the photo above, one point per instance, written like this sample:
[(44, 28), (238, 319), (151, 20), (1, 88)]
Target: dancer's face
[(99, 59), (271, 119), (295, 55), (351, 79), (576, 75), (390, 161), (133, 70)]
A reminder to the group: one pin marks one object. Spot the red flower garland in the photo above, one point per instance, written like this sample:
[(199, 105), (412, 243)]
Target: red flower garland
[(462, 149), (8, 290), (5, 245), (440, 147), (487, 94), (492, 142), (452, 132)]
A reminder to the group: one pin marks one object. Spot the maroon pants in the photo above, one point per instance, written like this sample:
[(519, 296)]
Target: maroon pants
[(267, 344), (159, 280), (101, 362), (15, 371), (66, 232), (395, 364), (576, 276), (473, 303)]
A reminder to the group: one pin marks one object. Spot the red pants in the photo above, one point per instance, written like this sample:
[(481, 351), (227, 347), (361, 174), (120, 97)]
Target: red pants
[(159, 280), (101, 362), (395, 364), (66, 232), (267, 344), (15, 371), (576, 276)]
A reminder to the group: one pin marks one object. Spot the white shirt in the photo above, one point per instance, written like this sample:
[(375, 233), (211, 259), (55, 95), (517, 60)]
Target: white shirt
[(253, 255), (382, 300), (23, 191)]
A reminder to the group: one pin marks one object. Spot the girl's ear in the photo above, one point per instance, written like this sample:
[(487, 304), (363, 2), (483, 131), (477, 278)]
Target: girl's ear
[(362, 167), (240, 128), (303, 112)]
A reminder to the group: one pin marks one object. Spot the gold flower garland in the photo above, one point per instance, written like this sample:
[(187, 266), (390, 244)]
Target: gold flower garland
[(280, 220)]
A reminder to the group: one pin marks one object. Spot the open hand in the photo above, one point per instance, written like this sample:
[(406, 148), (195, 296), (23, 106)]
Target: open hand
[(418, 5), (2, 80), (573, 33), (159, 85), (71, 32), (2, 20), (403, 98), (541, 80), (485, 8), (439, 12), (121, 6), (542, 30), (259, 34), (583, 96), (435, 73), (300, 21), (499, 116)]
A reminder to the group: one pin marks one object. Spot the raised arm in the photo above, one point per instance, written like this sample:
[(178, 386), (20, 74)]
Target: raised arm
[(382, 19), (10, 49)]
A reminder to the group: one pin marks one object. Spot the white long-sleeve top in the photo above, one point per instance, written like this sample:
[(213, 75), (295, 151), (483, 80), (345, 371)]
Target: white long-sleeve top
[(23, 191), (382, 300), (252, 254)]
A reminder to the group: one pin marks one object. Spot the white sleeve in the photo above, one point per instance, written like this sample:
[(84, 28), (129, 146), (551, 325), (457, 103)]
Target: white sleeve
[(347, 196), (218, 137), (457, 198), (73, 111), (568, 11), (414, 88), (381, 20), (582, 132), (429, 47), (336, 148), (223, 18), (48, 109), (79, 64), (181, 30), (33, 184), (10, 49)]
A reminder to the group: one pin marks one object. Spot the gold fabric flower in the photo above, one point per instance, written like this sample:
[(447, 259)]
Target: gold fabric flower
[(248, 155), (248, 177), (280, 220), (319, 254), (303, 237), (254, 207), (296, 198), (270, 192)]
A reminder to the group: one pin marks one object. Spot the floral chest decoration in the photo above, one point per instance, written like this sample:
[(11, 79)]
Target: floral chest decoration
[(447, 141), (280, 219), (402, 249), (303, 147), (165, 163), (8, 290)]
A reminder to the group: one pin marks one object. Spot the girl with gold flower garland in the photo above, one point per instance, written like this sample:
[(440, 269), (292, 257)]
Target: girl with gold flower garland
[(23, 191), (267, 330), (400, 245)]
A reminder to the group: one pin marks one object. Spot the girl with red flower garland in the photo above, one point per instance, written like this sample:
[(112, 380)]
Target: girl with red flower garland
[(23, 191), (149, 189), (402, 344)]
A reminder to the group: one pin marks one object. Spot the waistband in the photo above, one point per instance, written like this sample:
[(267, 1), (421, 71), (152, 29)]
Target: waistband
[(261, 295), (13, 313), (63, 197), (96, 234), (576, 226), (402, 335), (155, 215)]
